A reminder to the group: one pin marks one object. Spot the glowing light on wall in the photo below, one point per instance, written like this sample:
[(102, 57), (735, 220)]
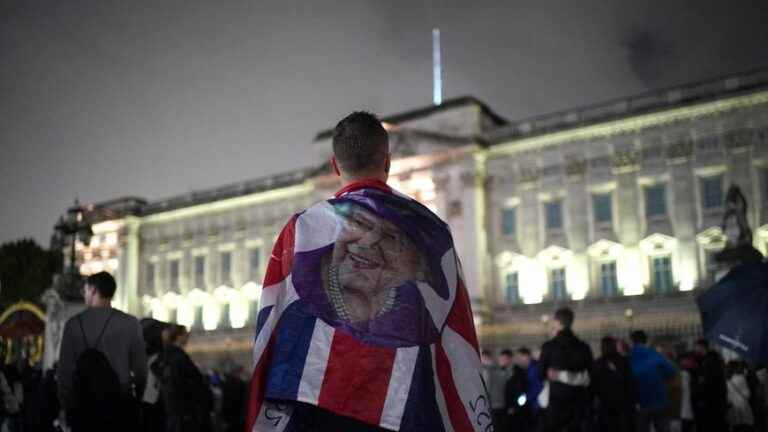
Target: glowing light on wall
[(95, 241), (96, 266), (211, 315), (198, 297), (159, 311), (185, 313), (111, 238), (251, 291), (237, 301), (171, 300), (531, 275), (112, 264), (632, 273), (238, 313), (221, 293), (419, 186)]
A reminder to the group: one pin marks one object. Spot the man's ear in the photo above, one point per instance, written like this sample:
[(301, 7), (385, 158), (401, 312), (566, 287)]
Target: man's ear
[(335, 165)]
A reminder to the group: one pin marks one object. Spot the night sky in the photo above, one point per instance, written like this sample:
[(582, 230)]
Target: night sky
[(100, 99)]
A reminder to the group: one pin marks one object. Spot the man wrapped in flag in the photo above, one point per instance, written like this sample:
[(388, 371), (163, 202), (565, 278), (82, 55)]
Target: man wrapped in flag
[(365, 323)]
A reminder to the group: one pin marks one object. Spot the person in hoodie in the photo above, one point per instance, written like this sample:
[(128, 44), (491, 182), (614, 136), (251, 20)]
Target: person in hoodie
[(650, 371)]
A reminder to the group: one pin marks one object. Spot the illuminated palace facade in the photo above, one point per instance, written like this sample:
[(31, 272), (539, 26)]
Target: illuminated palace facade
[(613, 209)]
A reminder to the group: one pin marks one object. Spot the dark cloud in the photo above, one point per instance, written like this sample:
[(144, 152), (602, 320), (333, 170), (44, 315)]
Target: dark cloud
[(106, 98)]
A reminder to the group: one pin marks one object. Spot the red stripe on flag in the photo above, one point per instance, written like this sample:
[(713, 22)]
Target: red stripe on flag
[(456, 411), (460, 319), (281, 261), (258, 385), (356, 379)]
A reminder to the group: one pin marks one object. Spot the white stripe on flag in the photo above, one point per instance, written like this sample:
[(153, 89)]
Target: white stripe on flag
[(465, 368), (446, 419), (316, 362), (316, 227), (399, 385), (280, 296)]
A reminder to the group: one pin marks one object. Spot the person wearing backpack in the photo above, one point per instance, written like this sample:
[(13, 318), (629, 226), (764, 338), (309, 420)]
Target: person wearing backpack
[(102, 363)]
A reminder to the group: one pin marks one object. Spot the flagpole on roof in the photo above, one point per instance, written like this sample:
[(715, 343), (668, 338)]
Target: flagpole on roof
[(437, 68)]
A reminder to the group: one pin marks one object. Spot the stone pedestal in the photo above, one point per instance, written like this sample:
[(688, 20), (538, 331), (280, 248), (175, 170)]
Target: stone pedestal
[(57, 313)]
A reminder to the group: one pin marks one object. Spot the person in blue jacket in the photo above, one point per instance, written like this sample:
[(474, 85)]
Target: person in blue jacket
[(650, 372)]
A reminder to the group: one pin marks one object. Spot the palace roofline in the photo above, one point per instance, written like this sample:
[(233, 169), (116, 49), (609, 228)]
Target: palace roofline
[(644, 103), (429, 110), (504, 131)]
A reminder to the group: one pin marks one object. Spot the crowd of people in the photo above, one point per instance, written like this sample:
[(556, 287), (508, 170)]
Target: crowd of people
[(631, 386), (120, 374)]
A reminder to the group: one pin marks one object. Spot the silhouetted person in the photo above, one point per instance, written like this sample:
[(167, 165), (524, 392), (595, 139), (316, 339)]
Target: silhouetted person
[(234, 393), (709, 395), (527, 384), (186, 393), (565, 363), (612, 388)]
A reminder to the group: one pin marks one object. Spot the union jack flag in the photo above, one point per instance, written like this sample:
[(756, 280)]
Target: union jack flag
[(364, 313)]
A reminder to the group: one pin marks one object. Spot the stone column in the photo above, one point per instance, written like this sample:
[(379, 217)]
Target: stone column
[(683, 213), (628, 226), (577, 229)]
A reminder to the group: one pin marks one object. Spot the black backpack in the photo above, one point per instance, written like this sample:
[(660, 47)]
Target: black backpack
[(95, 383)]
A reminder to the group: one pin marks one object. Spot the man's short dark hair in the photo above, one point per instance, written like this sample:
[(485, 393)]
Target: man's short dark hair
[(506, 352), (360, 143), (103, 283), (524, 351), (565, 317), (639, 337), (487, 353)]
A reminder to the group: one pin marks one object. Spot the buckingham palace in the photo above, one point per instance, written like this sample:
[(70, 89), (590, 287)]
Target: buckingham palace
[(614, 209)]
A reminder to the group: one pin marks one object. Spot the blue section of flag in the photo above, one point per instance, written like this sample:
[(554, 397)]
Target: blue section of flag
[(421, 411), (293, 337), (261, 318)]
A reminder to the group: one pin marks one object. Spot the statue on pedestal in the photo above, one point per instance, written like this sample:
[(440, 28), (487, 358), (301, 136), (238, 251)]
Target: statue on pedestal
[(65, 297), (738, 247)]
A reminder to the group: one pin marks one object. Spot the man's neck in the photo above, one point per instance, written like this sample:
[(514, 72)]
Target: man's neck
[(347, 181), (101, 304)]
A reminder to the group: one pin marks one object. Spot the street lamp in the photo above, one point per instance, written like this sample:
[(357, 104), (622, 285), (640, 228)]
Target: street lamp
[(67, 232)]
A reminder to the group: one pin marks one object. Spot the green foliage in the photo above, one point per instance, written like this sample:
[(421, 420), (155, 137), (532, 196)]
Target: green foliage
[(26, 271)]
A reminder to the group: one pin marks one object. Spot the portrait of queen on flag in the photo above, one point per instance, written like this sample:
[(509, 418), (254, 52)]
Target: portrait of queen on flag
[(364, 315)]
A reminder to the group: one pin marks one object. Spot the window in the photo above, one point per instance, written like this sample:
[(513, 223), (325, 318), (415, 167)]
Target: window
[(512, 288), (712, 192), (226, 267), (557, 284), (224, 320), (661, 269), (200, 272), (508, 221), (609, 285), (150, 276), (173, 273), (554, 214), (197, 323), (655, 201), (602, 206), (254, 263)]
